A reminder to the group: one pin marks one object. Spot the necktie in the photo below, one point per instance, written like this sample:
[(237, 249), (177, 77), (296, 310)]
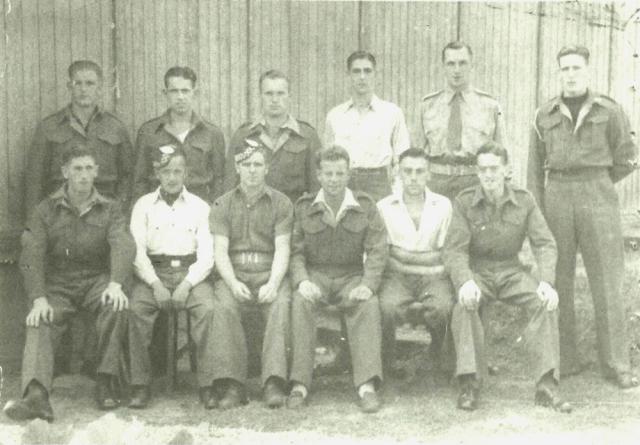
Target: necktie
[(454, 129)]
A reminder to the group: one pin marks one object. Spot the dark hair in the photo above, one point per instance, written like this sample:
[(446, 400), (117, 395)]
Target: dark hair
[(457, 44), (76, 151), (496, 149), (333, 153), (272, 74), (84, 65), (180, 71), (573, 49), (413, 152), (360, 54)]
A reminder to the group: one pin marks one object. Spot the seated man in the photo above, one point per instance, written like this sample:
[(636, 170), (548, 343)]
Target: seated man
[(252, 226), (415, 286), (489, 225), (173, 260), (333, 229), (76, 253)]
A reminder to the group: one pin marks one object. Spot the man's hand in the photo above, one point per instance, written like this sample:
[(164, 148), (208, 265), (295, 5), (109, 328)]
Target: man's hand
[(161, 295), (469, 295), (240, 291), (309, 291), (180, 295), (267, 293), (41, 310), (548, 295), (360, 293), (113, 295)]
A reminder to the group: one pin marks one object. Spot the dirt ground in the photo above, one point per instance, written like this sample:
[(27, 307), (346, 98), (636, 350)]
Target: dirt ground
[(418, 409)]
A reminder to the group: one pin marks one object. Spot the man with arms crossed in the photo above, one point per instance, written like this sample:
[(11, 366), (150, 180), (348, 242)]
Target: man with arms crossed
[(173, 260)]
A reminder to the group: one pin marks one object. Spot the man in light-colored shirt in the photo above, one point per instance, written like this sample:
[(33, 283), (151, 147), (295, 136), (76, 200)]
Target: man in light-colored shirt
[(455, 122), (415, 286), (373, 131), (173, 260)]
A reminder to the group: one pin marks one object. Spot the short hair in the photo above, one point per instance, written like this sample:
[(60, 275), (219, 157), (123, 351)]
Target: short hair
[(77, 150), (180, 71), (494, 148), (413, 152), (360, 54), (272, 74), (456, 44), (333, 153), (579, 50), (84, 65)]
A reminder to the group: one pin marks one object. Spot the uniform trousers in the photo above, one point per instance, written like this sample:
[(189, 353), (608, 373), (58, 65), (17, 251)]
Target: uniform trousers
[(144, 312), (510, 285), (362, 319), (583, 213), (229, 340), (69, 292)]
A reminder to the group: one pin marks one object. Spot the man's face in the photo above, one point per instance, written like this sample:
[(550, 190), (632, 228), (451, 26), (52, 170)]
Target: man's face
[(274, 97), (180, 94), (363, 75), (333, 176), (85, 87), (574, 75), (80, 173), (172, 175), (253, 170), (457, 67), (491, 172), (413, 174)]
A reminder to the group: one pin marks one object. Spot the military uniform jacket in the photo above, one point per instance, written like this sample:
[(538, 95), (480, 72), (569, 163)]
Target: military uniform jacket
[(338, 251), (292, 167)]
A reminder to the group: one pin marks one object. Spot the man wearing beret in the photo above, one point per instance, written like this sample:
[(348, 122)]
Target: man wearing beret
[(76, 254), (333, 230), (173, 261), (252, 226), (292, 143), (180, 126)]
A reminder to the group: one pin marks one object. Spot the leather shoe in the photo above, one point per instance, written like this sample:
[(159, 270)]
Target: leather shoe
[(33, 406), (625, 380), (208, 397), (233, 396), (546, 396), (140, 397), (104, 393), (296, 400), (468, 398), (370, 402), (274, 396)]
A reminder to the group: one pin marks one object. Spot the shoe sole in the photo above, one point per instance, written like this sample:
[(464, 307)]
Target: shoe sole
[(18, 411)]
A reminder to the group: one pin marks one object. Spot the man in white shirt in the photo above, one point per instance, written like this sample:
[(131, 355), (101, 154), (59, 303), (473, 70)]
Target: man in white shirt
[(415, 286), (173, 260), (373, 131)]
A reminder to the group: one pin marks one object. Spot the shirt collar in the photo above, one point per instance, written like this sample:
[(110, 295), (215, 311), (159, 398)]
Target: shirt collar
[(349, 202), (165, 118), (397, 194), (464, 93), (557, 103), (61, 197), (289, 124), (374, 104), (68, 115), (184, 195), (266, 191), (509, 195)]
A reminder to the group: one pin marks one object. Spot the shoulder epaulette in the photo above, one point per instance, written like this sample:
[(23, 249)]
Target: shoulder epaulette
[(305, 197), (305, 123), (483, 93), (431, 95), (605, 101)]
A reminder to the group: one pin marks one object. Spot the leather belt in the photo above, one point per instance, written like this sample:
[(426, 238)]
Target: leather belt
[(173, 261), (452, 169), (370, 171), (579, 174), (245, 258)]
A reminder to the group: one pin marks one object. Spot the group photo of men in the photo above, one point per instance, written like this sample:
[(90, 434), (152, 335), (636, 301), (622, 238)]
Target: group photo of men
[(360, 223)]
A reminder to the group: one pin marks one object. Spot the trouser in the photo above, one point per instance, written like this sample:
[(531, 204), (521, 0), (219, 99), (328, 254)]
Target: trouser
[(362, 319), (511, 285), (583, 213), (144, 311), (229, 343), (375, 182), (450, 185), (397, 293), (67, 293)]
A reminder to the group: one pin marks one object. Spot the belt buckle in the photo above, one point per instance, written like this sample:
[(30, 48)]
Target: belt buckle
[(175, 263)]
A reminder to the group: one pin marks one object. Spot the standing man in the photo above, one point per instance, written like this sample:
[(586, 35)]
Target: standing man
[(173, 261), (455, 122), (84, 122), (76, 253), (333, 230), (373, 131), (489, 225), (252, 226), (292, 143), (581, 142), (182, 128), (415, 285)]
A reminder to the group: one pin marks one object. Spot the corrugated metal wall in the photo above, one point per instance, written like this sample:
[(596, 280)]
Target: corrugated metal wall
[(230, 42)]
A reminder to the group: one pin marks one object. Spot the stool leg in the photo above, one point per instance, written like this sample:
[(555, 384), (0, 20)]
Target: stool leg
[(193, 362), (172, 327)]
